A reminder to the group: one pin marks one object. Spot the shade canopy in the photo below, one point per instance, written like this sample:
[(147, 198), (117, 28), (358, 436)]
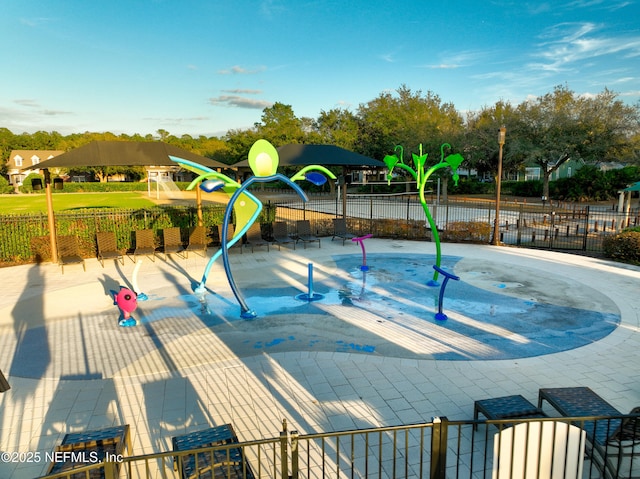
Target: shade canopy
[(125, 153), (325, 155), (633, 187)]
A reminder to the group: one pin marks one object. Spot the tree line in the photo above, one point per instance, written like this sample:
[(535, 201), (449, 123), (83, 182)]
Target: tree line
[(544, 131)]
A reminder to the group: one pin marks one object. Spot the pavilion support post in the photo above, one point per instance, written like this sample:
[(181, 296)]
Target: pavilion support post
[(199, 206), (51, 217)]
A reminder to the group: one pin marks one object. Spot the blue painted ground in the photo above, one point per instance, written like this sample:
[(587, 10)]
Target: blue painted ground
[(494, 312)]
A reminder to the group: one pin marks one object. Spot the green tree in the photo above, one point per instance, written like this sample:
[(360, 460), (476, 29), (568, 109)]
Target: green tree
[(409, 119), (238, 143), (337, 127), (280, 126), (562, 125), (481, 148)]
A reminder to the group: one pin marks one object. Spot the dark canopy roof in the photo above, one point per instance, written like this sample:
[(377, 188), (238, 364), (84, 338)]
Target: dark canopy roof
[(633, 187), (324, 155), (126, 153)]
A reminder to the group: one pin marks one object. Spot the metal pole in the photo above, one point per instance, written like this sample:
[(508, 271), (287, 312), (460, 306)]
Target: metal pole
[(496, 226), (199, 206), (284, 453), (51, 217)]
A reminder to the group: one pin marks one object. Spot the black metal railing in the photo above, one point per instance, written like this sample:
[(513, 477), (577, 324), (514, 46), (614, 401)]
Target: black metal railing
[(540, 447), (566, 227)]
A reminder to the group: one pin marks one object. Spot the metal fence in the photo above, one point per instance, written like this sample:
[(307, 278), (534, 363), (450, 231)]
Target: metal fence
[(535, 448), (562, 226), (24, 238)]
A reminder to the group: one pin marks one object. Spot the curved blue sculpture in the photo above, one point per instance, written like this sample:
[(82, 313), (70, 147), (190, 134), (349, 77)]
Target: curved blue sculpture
[(263, 160)]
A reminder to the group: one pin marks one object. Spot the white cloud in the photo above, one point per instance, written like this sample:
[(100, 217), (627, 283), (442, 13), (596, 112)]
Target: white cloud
[(242, 91), (240, 102), (570, 43), (238, 70)]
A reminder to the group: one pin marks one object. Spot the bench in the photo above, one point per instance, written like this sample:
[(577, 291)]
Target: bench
[(224, 462), (83, 448), (506, 407)]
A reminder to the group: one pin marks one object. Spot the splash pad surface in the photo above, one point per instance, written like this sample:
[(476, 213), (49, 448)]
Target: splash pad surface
[(497, 310)]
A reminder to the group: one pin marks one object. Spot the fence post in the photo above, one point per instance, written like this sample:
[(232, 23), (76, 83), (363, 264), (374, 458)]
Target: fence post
[(110, 470), (586, 229), (439, 447), (295, 455), (284, 455), (519, 225)]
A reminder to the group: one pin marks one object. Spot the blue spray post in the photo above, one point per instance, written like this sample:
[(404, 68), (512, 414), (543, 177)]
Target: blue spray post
[(440, 316), (310, 295)]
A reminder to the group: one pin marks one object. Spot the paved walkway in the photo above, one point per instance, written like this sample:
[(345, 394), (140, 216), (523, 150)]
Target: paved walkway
[(190, 365)]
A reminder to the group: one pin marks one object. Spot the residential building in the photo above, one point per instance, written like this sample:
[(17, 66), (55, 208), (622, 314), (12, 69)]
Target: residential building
[(30, 159)]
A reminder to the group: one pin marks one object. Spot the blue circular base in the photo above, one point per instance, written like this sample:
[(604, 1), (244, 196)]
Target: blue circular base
[(432, 283), (307, 297), (441, 317), (364, 267), (249, 314), (142, 297), (127, 323)]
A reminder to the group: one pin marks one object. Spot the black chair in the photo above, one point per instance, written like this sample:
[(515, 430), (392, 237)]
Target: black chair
[(171, 241), (145, 244), (304, 234), (197, 241), (614, 441), (69, 252), (281, 235), (340, 230), (108, 247), (254, 237)]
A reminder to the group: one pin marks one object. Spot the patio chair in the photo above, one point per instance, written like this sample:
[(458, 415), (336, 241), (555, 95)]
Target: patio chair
[(615, 442), (171, 241), (108, 247), (304, 234), (112, 441), (281, 235), (69, 252), (254, 237), (223, 461), (230, 232), (145, 244), (197, 241), (340, 230)]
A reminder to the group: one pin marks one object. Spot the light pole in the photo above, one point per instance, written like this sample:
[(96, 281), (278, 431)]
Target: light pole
[(502, 134)]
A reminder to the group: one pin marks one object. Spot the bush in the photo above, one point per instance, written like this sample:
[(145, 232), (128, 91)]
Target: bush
[(531, 189), (624, 246), (27, 183), (473, 231), (5, 187), (469, 186)]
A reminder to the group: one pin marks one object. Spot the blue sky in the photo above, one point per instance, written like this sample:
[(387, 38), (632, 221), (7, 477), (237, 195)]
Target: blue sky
[(203, 67)]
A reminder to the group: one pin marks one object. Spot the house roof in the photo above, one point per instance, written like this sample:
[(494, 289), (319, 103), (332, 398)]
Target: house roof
[(28, 155), (325, 155), (126, 153)]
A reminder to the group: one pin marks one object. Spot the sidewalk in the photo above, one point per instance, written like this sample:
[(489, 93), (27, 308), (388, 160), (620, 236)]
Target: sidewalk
[(184, 369)]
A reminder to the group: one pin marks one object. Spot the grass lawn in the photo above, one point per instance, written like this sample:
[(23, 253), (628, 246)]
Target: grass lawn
[(35, 203)]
